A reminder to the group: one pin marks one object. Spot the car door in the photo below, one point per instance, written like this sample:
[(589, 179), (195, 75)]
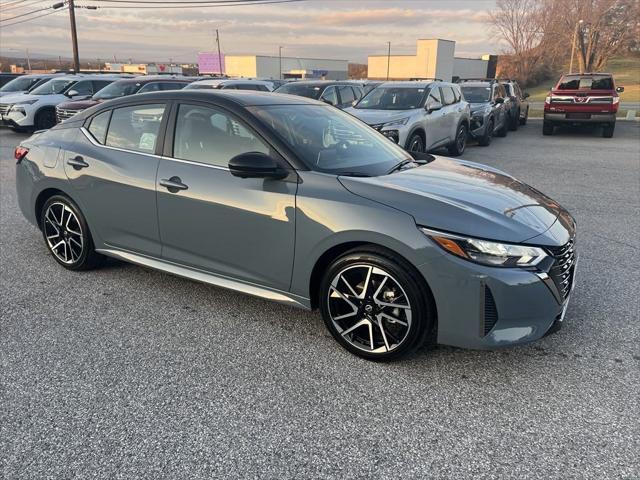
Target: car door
[(451, 111), (214, 221), (435, 120), (112, 169)]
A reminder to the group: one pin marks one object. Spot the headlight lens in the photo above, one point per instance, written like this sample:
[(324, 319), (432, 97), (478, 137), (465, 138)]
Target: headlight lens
[(26, 102), (399, 121), (481, 112), (486, 252)]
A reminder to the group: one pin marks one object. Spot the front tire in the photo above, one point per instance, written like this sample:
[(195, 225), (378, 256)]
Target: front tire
[(547, 128), (44, 119), (504, 129), (460, 143), (485, 140), (67, 235), (416, 143), (375, 305), (514, 122)]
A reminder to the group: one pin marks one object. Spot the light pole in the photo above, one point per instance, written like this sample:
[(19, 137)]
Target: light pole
[(573, 43), (280, 61), (388, 58)]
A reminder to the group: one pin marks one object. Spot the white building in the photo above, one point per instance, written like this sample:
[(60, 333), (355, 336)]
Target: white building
[(263, 66), (434, 58)]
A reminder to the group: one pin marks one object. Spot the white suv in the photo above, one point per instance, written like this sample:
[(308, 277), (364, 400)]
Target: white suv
[(35, 110), (418, 115)]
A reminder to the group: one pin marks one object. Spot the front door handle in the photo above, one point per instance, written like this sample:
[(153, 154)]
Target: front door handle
[(77, 162), (174, 184)]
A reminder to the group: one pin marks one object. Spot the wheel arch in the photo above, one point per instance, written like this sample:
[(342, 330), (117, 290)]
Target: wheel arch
[(420, 131), (336, 251), (42, 198)]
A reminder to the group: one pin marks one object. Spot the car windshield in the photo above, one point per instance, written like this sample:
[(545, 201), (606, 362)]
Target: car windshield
[(476, 94), (202, 86), (591, 82), (53, 86), (331, 141), (393, 98), (19, 84), (301, 90), (117, 90)]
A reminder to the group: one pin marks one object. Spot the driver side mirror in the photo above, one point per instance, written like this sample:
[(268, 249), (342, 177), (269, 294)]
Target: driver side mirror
[(619, 89), (73, 93), (329, 101), (499, 100), (526, 95), (256, 165), (432, 106)]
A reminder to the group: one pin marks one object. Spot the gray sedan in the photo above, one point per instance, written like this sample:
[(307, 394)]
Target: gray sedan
[(292, 200)]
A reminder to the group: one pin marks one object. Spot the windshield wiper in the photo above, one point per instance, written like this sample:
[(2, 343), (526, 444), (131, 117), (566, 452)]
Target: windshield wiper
[(401, 164), (353, 174)]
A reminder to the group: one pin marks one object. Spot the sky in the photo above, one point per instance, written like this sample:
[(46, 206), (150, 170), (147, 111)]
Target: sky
[(338, 29)]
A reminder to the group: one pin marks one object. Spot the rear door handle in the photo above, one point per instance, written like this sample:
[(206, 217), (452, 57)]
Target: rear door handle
[(174, 184), (77, 162)]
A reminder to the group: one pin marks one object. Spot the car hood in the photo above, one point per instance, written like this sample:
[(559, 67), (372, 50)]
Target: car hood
[(474, 107), (6, 94), (78, 104), (465, 198), (13, 97), (374, 117)]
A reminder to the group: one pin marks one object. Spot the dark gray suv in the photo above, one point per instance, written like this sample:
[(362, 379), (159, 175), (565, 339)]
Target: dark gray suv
[(295, 201), (489, 113)]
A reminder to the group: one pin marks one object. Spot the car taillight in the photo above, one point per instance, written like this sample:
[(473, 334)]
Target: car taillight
[(19, 153)]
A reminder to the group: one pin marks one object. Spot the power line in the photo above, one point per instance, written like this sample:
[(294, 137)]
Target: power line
[(206, 5), (28, 13), (165, 2), (13, 7), (14, 2), (29, 19)]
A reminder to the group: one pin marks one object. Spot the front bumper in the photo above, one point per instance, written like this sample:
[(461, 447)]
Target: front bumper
[(16, 119), (478, 126), (579, 117), (484, 307)]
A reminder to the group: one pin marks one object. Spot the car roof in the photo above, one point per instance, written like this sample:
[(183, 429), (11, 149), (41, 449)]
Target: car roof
[(319, 82), (156, 78), (409, 84), (220, 81)]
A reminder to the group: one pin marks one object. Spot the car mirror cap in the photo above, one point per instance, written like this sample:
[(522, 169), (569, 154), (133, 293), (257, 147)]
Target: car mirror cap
[(526, 95), (432, 107), (72, 93), (619, 89), (256, 165)]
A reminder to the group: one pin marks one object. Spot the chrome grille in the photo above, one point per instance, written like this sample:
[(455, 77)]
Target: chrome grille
[(562, 270), (4, 108), (64, 113)]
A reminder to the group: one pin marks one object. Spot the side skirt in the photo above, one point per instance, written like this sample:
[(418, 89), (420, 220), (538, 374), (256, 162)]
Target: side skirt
[(209, 278)]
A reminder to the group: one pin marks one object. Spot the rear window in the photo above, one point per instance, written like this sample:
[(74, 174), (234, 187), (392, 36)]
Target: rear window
[(302, 90), (589, 82)]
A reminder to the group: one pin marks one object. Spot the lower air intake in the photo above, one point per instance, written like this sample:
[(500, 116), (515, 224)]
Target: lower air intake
[(490, 311)]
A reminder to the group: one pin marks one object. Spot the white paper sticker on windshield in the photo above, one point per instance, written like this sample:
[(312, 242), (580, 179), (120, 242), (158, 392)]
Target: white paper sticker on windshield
[(147, 141)]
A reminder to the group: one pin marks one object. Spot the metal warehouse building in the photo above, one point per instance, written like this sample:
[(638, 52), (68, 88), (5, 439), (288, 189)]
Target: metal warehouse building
[(262, 66), (434, 58)]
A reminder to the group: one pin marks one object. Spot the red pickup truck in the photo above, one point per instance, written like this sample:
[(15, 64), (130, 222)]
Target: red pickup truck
[(583, 98)]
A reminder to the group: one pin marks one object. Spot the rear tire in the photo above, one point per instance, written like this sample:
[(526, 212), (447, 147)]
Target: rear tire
[(356, 298), (523, 120), (460, 143), (607, 130), (485, 139), (44, 119), (514, 122), (547, 128), (67, 235)]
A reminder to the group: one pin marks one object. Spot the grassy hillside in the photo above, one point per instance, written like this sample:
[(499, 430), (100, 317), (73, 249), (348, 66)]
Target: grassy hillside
[(626, 72)]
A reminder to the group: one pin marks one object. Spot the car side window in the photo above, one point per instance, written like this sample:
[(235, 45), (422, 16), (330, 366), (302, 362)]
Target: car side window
[(457, 93), (330, 95), (346, 94), (100, 84), (135, 128), (83, 87), (434, 95), (447, 96), (211, 136), (98, 126), (150, 87), (170, 86)]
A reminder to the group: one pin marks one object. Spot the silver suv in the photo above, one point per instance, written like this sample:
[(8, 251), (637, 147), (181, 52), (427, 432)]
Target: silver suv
[(419, 116)]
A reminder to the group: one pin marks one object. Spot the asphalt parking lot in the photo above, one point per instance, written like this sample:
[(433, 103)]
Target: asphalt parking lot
[(125, 372)]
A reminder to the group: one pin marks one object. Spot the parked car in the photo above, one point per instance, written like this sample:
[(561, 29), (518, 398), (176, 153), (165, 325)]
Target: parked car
[(25, 83), (237, 84), (394, 249), (585, 98), (418, 116), (339, 93), (7, 77), (122, 88), (35, 110), (519, 105), (489, 115)]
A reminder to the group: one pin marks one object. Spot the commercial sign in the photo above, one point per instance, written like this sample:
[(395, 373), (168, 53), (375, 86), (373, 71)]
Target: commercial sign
[(209, 62)]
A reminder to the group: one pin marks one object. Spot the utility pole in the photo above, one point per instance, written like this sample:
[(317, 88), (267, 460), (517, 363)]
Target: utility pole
[(573, 44), (388, 58), (280, 61), (219, 55), (28, 61), (74, 36)]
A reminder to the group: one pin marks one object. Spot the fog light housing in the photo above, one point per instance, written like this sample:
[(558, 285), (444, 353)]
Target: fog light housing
[(392, 135)]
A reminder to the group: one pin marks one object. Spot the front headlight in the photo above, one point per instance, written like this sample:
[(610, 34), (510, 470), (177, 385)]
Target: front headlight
[(486, 252), (480, 113), (395, 123), (16, 105)]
